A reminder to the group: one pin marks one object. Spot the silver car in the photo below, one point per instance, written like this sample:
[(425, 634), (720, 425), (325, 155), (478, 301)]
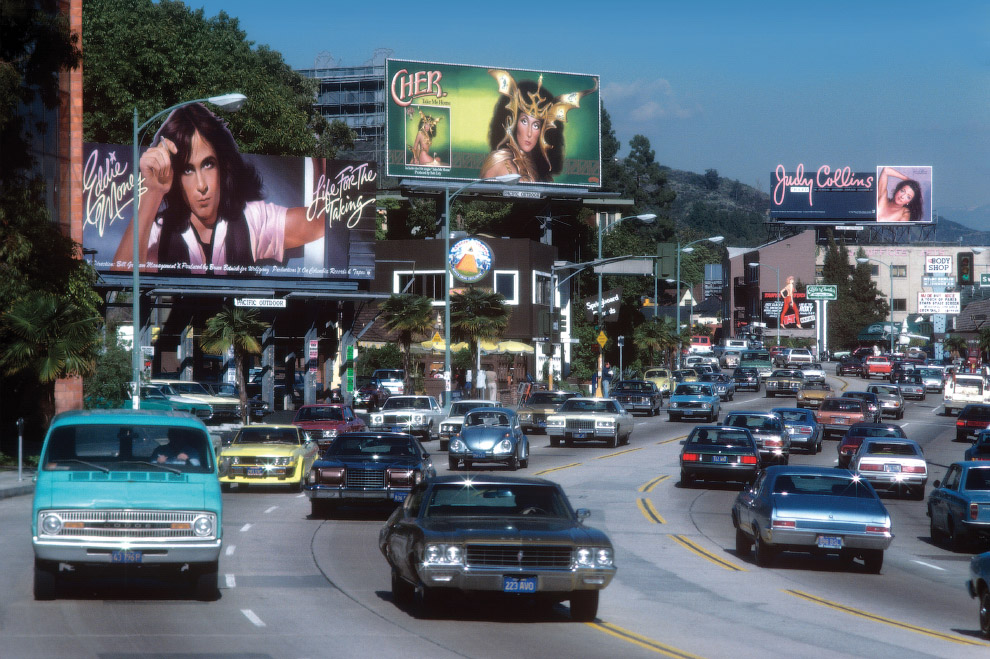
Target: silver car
[(893, 464), (811, 509), (416, 415), (891, 399), (490, 435)]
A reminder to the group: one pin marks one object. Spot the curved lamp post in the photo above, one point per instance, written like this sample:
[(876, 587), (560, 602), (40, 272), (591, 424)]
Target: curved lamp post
[(687, 249), (508, 179), (754, 264), (232, 102), (890, 271), (645, 217)]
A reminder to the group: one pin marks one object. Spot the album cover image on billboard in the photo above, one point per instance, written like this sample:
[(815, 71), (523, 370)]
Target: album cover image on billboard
[(904, 194)]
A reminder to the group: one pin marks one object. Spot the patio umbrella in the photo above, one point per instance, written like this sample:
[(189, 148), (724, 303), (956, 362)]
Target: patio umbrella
[(514, 348)]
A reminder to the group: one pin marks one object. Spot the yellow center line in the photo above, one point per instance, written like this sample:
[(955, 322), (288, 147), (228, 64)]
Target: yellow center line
[(612, 455), (887, 621), (646, 507), (641, 641), (668, 441), (547, 471), (648, 487), (705, 554)]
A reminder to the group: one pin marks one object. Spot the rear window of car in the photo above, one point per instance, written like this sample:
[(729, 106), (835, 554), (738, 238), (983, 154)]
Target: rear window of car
[(891, 448), (892, 431), (793, 415), (821, 485), (753, 421), (719, 437), (838, 405), (973, 412)]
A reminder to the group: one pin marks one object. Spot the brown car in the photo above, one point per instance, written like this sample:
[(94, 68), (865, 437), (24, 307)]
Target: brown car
[(835, 415), (811, 394)]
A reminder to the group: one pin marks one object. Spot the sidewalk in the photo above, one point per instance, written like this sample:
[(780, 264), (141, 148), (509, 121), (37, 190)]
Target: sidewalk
[(11, 487)]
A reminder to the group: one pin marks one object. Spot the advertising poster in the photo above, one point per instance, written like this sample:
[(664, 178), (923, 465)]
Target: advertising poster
[(231, 215), (904, 194), (793, 311), (451, 121)]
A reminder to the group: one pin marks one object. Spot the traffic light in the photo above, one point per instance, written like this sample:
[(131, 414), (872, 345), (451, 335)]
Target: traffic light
[(667, 261), (964, 268)]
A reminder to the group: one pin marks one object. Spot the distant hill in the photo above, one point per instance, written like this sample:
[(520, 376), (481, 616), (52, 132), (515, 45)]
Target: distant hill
[(947, 231)]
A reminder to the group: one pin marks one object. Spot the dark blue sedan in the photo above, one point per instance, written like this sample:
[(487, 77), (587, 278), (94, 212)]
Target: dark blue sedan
[(802, 427), (959, 505)]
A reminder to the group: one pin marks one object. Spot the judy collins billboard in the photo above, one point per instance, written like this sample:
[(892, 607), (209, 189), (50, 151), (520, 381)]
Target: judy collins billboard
[(890, 194), (207, 210), (451, 121)]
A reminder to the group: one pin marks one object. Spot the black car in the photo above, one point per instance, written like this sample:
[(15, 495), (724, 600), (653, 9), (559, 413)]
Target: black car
[(849, 366), (637, 396), (367, 467), (972, 419), (371, 395), (719, 453), (872, 401), (746, 377)]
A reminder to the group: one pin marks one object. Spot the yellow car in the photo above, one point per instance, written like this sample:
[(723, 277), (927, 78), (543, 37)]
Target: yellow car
[(267, 454), (660, 377)]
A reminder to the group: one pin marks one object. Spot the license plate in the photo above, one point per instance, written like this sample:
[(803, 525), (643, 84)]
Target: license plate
[(398, 428), (478, 455), (720, 458), (125, 556), (830, 541), (892, 468), (842, 419), (519, 584), (399, 496), (541, 424), (255, 471), (579, 435)]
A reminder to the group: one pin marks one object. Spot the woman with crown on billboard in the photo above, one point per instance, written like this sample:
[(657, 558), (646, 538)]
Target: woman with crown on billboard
[(526, 131), (424, 140)]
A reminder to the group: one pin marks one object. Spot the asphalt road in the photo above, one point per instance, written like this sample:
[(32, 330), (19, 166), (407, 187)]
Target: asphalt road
[(293, 586)]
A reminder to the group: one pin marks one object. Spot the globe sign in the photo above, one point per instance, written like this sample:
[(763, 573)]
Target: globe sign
[(470, 260)]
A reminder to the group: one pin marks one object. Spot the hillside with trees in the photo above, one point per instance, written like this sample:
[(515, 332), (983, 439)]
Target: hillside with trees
[(712, 205)]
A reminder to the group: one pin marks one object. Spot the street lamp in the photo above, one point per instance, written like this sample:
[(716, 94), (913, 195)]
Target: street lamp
[(890, 271), (232, 102), (508, 179), (688, 249), (645, 217), (777, 271)]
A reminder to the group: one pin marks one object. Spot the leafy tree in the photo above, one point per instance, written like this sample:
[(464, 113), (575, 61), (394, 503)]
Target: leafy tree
[(239, 329), (154, 54), (657, 340), (107, 386), (407, 315), (956, 345), (983, 341), (477, 315), (371, 359), (646, 182), (711, 179)]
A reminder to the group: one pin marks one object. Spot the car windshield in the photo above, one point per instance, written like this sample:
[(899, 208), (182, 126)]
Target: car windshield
[(886, 390), (460, 409), (117, 447), (319, 413), (403, 403), (720, 437), (371, 447), (839, 405), (685, 373), (978, 478), (788, 374), (495, 500), (748, 372), (548, 399), (836, 486), (632, 386), (890, 448), (388, 375), (486, 418), (693, 390), (256, 435), (877, 431), (819, 386), (189, 388), (929, 372), (585, 405), (657, 373)]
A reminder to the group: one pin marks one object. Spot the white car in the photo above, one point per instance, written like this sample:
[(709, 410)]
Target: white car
[(590, 419), (416, 415), (455, 418), (813, 372), (893, 464)]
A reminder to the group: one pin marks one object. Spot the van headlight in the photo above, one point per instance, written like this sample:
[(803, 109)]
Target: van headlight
[(51, 524), (204, 525)]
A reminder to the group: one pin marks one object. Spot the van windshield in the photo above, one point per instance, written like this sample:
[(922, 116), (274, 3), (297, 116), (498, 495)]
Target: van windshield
[(130, 447)]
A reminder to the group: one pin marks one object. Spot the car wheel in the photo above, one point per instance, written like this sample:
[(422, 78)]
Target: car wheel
[(205, 582), (957, 539), (936, 534), (513, 463), (985, 613), (554, 441), (467, 465), (318, 507), (769, 394), (743, 543), (960, 436), (225, 487), (452, 463), (918, 494), (764, 553), (402, 590), (584, 605), (873, 560), (687, 480), (524, 463), (444, 444), (923, 397), (45, 575), (427, 601)]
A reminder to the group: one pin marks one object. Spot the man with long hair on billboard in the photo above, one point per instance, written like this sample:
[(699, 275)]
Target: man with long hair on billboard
[(202, 209), (526, 133)]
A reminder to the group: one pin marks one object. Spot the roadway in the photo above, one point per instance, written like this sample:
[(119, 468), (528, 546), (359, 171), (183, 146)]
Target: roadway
[(294, 586)]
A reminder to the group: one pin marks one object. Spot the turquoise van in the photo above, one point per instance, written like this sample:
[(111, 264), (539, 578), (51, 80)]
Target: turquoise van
[(127, 491)]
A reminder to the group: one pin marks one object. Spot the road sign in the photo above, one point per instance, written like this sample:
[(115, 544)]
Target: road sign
[(602, 339), (822, 292), (939, 282), (984, 279), (437, 338)]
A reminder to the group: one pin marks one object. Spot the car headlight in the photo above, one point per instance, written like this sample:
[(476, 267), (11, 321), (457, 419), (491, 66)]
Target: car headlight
[(526, 416), (311, 477), (706, 406), (50, 524), (555, 422), (377, 419), (418, 418), (591, 557), (504, 446), (443, 554), (224, 465), (457, 445), (605, 424), (203, 525), (675, 405)]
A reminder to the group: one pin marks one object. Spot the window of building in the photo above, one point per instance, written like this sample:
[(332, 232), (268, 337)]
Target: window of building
[(900, 304), (507, 283), (898, 271), (429, 283), (874, 270), (819, 273), (541, 288)]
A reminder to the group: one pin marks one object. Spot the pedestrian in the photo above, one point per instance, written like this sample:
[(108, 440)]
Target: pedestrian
[(480, 384), (467, 382), (492, 380), (607, 379)]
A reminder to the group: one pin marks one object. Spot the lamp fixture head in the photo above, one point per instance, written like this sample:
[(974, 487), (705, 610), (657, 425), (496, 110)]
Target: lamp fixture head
[(232, 102)]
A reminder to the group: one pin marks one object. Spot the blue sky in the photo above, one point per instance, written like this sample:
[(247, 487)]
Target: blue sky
[(735, 86)]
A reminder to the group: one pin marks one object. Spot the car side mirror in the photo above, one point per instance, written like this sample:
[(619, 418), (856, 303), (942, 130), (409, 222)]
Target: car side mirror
[(937, 484), (582, 513), (683, 442), (425, 454)]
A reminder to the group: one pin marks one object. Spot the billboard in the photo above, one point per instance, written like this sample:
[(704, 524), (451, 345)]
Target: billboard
[(231, 215), (458, 122), (793, 311), (842, 196), (938, 303)]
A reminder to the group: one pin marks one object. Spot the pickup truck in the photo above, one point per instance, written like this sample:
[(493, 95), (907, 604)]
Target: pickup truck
[(963, 389), (879, 366)]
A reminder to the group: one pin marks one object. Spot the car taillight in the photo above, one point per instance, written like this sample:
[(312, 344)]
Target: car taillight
[(772, 442), (805, 430), (749, 460), (913, 470), (784, 524), (870, 467), (331, 476), (877, 529), (691, 457), (974, 510)]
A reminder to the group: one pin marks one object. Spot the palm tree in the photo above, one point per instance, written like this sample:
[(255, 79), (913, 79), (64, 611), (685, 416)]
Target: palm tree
[(657, 338), (983, 341), (477, 316), (239, 329), (956, 345), (49, 337), (407, 315)]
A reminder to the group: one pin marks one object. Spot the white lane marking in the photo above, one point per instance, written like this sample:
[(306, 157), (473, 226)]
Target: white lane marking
[(231, 581), (255, 620), (230, 550), (301, 495), (934, 567), (271, 509), (245, 528)]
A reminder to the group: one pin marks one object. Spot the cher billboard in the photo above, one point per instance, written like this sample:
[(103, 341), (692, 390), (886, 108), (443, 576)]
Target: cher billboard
[(457, 122)]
